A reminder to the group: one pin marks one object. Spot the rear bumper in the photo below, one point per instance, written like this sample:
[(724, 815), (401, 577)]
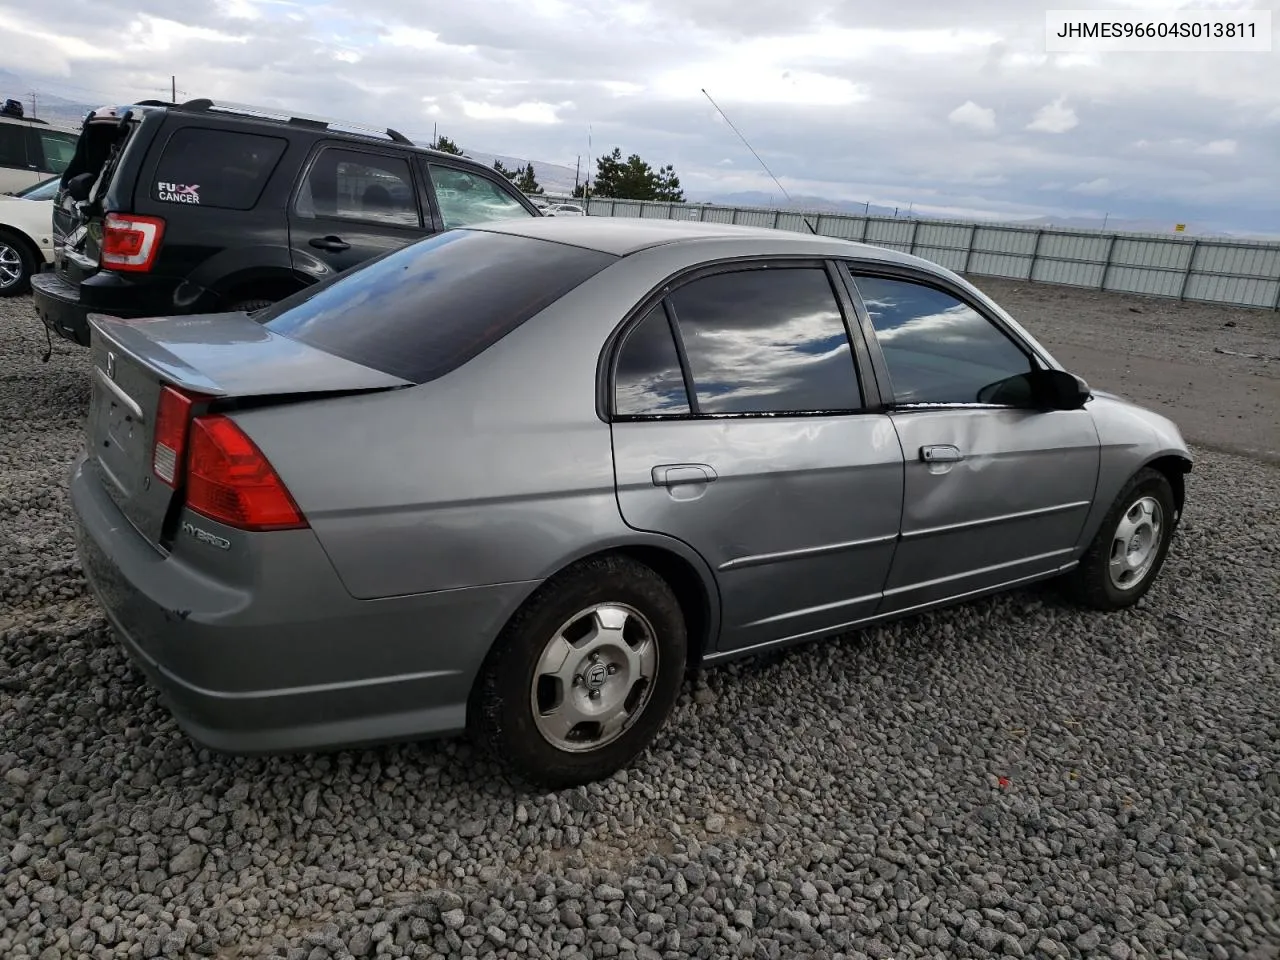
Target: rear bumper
[(64, 307), (293, 662), (58, 306)]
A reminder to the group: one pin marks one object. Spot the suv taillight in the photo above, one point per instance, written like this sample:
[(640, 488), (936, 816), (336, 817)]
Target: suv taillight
[(230, 480), (130, 242)]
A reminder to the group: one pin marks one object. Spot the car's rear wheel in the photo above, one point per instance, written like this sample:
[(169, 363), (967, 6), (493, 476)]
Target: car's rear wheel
[(585, 674), (17, 264), (1130, 547)]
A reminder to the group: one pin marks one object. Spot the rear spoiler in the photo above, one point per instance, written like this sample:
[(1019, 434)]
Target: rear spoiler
[(231, 355)]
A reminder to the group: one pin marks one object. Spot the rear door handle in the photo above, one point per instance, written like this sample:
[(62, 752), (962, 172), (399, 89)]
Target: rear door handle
[(675, 474), (332, 244), (941, 453)]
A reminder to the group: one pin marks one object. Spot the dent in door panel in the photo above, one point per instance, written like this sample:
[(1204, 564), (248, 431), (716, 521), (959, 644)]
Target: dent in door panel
[(1011, 507)]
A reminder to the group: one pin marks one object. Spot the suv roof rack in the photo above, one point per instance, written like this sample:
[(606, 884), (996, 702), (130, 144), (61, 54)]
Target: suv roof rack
[(297, 119)]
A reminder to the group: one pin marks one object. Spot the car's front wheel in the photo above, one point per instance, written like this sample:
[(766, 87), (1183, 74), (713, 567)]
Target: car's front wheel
[(585, 674), (1130, 547)]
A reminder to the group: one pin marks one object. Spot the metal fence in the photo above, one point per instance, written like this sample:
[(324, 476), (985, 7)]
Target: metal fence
[(1210, 270)]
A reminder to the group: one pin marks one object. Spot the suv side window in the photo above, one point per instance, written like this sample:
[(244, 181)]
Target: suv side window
[(13, 145), (58, 149), (766, 341), (465, 198), (215, 168), (938, 349), (648, 380), (351, 185)]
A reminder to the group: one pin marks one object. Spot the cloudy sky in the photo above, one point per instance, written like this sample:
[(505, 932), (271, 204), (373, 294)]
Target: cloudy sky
[(952, 105)]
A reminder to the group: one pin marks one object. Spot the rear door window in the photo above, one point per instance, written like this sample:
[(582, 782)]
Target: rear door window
[(465, 198), (216, 168), (428, 308), (352, 185), (57, 148), (767, 342), (13, 145)]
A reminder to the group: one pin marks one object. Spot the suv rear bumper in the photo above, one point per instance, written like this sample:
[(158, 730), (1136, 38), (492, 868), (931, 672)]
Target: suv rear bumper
[(58, 306), (64, 307)]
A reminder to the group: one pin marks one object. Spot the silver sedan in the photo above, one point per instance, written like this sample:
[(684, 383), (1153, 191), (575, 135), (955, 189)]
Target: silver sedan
[(517, 478)]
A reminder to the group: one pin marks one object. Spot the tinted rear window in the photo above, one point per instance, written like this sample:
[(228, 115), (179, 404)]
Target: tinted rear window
[(215, 168), (428, 308)]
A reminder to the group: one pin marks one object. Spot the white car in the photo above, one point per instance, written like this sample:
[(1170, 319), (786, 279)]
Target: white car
[(565, 210), (31, 149), (26, 235)]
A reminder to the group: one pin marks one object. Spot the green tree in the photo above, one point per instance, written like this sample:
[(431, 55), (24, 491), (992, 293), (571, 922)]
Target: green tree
[(445, 145), (525, 180), (669, 185), (509, 174), (634, 179)]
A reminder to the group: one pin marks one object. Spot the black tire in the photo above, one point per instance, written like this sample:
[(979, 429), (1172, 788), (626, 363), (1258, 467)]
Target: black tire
[(248, 306), (501, 709), (15, 248), (1091, 583)]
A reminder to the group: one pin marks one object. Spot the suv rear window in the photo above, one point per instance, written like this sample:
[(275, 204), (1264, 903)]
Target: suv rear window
[(428, 308), (215, 168)]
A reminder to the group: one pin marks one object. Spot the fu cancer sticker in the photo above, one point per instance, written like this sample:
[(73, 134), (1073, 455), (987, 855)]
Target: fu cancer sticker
[(177, 192)]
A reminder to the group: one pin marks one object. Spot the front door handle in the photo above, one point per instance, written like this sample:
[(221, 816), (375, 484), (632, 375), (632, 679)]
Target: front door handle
[(675, 474), (941, 453), (331, 243)]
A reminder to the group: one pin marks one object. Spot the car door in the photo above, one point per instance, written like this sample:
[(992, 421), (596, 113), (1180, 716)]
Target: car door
[(18, 166), (740, 427), (466, 196), (994, 494), (351, 205)]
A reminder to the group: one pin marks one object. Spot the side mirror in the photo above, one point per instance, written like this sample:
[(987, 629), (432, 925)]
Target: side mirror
[(78, 187), (1059, 390), (1038, 390)]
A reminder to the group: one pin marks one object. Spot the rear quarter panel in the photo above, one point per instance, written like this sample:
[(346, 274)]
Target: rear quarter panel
[(204, 245)]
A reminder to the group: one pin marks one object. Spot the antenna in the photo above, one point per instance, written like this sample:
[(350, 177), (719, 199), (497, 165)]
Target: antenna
[(757, 156)]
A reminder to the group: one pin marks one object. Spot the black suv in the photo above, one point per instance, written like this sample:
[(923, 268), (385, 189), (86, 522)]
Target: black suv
[(202, 208)]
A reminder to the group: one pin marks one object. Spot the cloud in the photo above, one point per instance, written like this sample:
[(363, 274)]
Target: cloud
[(969, 114), (842, 101), (1054, 117), (1093, 188), (1219, 148)]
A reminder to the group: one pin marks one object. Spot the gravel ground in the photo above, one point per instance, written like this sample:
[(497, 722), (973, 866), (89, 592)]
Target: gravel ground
[(1008, 778)]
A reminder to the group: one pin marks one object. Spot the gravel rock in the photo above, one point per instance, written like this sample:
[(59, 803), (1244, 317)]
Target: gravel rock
[(1009, 777)]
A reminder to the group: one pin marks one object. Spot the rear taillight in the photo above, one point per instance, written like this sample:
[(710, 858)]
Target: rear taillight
[(229, 479), (172, 414), (130, 242)]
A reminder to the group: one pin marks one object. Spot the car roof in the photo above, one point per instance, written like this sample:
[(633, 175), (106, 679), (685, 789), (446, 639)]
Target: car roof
[(621, 236), (39, 124), (232, 113)]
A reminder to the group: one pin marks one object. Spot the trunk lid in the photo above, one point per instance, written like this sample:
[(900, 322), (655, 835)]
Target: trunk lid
[(218, 358)]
